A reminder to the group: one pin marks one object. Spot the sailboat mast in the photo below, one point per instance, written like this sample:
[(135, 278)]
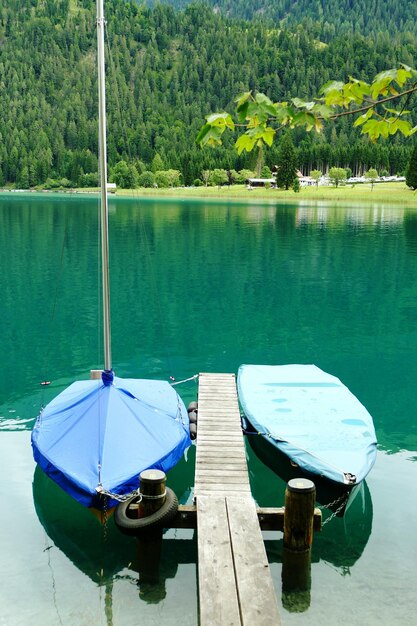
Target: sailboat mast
[(103, 185)]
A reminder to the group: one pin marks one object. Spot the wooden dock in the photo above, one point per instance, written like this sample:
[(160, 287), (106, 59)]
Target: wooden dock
[(235, 584)]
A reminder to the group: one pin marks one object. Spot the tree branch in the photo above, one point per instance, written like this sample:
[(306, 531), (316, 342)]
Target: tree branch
[(374, 103)]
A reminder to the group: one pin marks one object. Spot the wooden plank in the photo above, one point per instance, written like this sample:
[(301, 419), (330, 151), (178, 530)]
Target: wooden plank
[(236, 478), (212, 446), (215, 488), (218, 600), (219, 471), (228, 451), (257, 599), (220, 438), (230, 459), (269, 518), (215, 428)]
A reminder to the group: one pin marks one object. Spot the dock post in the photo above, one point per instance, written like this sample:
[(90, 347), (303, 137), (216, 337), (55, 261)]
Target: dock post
[(152, 488), (300, 498)]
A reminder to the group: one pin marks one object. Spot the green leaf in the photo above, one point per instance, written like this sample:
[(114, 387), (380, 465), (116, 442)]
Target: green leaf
[(402, 76), (394, 112), (302, 104), (220, 119), (375, 129), (323, 110), (380, 88), (210, 135), (244, 97), (244, 142), (331, 85), (268, 136), (284, 113), (261, 98), (201, 137), (356, 91), (304, 119), (404, 127), (363, 118), (268, 109), (242, 112)]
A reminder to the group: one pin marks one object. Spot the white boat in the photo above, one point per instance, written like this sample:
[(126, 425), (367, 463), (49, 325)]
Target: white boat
[(311, 417)]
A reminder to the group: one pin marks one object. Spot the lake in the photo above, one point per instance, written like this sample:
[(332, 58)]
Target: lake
[(206, 286)]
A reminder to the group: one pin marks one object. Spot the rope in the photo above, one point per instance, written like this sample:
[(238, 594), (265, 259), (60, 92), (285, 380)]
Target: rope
[(186, 380)]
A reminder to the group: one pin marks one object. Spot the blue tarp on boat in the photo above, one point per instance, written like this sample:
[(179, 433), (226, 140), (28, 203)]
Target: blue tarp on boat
[(311, 417), (105, 432)]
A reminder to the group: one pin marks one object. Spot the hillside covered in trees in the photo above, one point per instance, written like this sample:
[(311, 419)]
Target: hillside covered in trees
[(167, 69), (324, 18)]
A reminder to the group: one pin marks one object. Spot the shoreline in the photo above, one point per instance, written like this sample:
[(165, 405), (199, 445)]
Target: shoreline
[(386, 193)]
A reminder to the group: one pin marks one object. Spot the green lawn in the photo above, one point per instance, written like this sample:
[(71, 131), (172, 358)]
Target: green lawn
[(397, 193)]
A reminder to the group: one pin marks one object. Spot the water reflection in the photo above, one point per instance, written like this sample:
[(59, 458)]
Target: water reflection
[(92, 542), (340, 544), (347, 515), (410, 230)]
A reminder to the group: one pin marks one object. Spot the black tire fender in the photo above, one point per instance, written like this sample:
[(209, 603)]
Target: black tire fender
[(160, 519)]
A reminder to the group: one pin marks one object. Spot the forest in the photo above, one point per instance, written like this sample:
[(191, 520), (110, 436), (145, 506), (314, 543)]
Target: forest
[(168, 67), (323, 18)]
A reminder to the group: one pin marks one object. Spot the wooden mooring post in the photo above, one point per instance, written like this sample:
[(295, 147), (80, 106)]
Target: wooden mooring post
[(149, 543), (300, 496)]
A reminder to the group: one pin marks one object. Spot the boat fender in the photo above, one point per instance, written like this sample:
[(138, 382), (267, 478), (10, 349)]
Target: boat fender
[(192, 416), (193, 431), (160, 519), (193, 406)]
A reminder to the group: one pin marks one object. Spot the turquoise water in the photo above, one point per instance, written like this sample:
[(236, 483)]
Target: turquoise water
[(199, 286)]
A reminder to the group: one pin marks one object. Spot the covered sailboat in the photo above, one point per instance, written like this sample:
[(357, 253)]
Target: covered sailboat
[(312, 418), (97, 436)]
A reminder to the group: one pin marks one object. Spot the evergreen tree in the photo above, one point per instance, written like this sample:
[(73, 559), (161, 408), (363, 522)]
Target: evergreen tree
[(287, 164), (411, 174), (157, 164)]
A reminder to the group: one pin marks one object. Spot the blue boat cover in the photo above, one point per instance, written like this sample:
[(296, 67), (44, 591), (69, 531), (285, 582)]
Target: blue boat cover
[(311, 417), (103, 433)]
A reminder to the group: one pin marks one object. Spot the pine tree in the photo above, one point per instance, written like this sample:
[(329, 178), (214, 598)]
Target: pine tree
[(287, 165), (411, 174)]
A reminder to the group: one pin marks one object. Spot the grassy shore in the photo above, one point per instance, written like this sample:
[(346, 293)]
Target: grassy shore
[(384, 193), (392, 193)]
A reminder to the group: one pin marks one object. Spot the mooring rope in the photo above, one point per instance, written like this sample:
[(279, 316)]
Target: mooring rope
[(186, 380)]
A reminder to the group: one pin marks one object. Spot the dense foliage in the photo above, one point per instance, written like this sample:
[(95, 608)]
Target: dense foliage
[(287, 164), (324, 18), (166, 70), (411, 173)]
